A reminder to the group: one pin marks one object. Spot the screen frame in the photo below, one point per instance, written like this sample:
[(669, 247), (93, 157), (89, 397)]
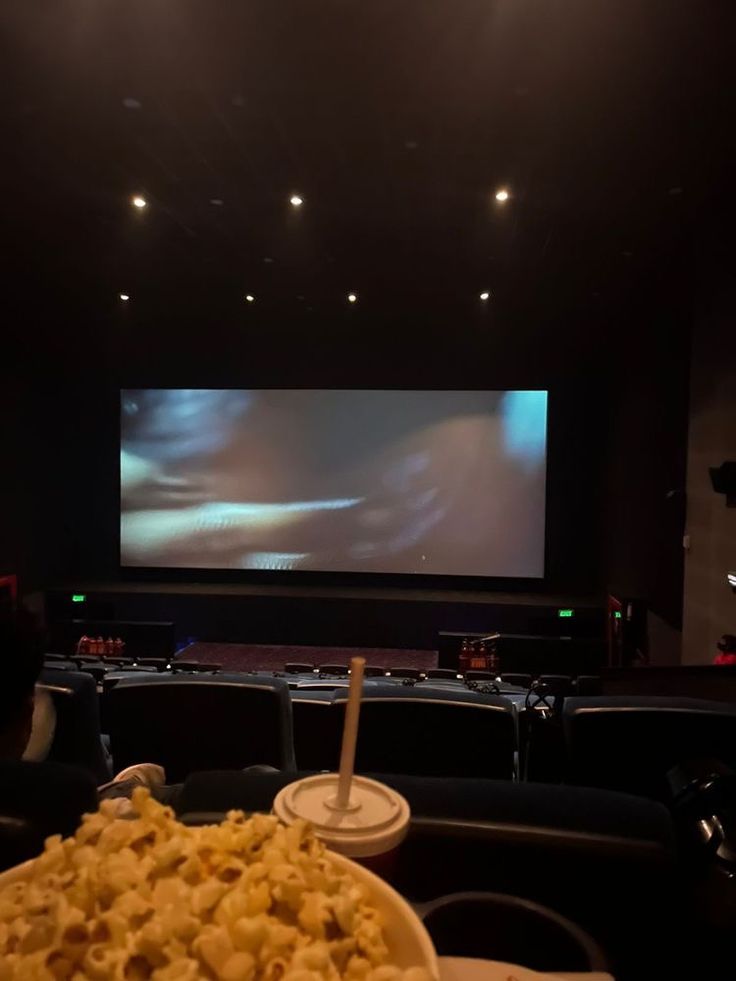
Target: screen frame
[(331, 578)]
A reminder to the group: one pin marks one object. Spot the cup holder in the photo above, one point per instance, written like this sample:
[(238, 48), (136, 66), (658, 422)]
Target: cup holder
[(493, 926)]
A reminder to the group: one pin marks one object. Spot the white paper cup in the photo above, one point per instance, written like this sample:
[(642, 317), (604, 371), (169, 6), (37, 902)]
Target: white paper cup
[(370, 830)]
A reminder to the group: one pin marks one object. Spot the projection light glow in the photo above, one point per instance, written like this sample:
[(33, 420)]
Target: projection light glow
[(442, 483)]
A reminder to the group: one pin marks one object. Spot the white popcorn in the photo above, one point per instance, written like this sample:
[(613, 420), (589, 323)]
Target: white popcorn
[(147, 897)]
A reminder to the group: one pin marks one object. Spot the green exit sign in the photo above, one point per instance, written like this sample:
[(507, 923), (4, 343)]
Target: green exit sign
[(565, 613), (79, 598), (617, 614)]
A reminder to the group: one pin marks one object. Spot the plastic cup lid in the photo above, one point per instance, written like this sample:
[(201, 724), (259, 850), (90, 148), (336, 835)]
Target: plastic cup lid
[(376, 820)]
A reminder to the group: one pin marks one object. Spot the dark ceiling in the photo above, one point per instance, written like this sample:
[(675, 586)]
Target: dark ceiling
[(396, 120)]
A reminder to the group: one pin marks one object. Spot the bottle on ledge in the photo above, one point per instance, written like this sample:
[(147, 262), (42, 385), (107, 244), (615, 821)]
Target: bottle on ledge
[(480, 660), (466, 656)]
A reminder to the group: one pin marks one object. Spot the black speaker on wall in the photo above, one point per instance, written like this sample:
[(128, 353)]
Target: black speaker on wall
[(723, 479)]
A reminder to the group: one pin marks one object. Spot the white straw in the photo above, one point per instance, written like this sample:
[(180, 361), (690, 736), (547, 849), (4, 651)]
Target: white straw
[(350, 733)]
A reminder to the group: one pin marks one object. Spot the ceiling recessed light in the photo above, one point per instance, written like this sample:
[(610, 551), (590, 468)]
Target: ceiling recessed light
[(249, 297), (125, 297), (130, 103), (296, 200), (502, 195), (218, 202), (485, 295), (352, 298), (139, 202)]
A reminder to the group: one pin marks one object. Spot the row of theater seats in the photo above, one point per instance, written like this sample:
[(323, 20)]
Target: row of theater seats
[(99, 667), (555, 683), (560, 846), (189, 722), (617, 864), (561, 684)]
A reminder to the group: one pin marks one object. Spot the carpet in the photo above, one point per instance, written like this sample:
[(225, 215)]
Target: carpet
[(267, 657)]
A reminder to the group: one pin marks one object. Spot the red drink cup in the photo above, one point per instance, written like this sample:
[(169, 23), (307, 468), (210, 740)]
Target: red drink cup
[(369, 830)]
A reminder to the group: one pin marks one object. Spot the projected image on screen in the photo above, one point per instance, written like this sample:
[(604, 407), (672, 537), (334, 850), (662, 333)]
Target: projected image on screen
[(448, 483)]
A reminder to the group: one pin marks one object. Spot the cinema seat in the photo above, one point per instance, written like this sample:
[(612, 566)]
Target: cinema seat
[(587, 685), (298, 667), (338, 669), (77, 735), (112, 678), (517, 680), (97, 669), (159, 663), (630, 743), (557, 684), (373, 671), (413, 673), (193, 667), (607, 861), (197, 722), (460, 734), (38, 800), (59, 664), (449, 673), (317, 729)]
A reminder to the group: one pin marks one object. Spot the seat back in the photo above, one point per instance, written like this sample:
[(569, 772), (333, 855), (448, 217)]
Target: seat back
[(112, 678), (59, 664), (317, 729), (630, 744), (98, 669), (38, 800), (77, 735), (403, 672), (159, 663), (462, 734), (197, 722), (575, 849), (518, 680), (587, 685), (339, 669), (557, 684), (442, 673), (298, 667), (192, 667)]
